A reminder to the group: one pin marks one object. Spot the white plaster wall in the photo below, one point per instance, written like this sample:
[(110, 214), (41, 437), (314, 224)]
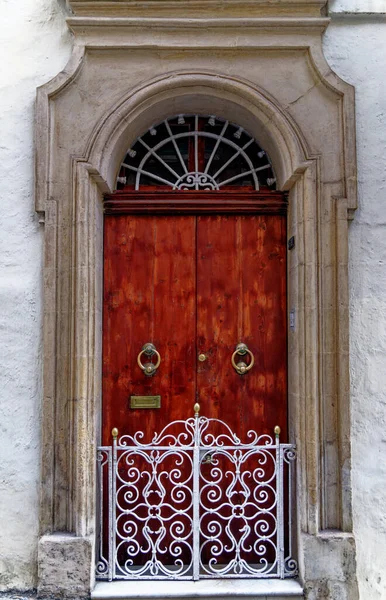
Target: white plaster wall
[(357, 6), (34, 47), (356, 50)]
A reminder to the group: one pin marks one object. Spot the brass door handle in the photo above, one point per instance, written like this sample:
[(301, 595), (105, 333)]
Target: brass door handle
[(149, 368), (241, 367)]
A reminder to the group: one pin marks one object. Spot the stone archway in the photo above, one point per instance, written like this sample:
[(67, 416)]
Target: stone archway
[(75, 168)]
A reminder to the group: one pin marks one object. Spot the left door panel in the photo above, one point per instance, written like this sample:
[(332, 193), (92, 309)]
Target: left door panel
[(149, 296)]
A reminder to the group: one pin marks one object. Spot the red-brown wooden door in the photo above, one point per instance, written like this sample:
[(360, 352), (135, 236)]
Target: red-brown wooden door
[(195, 284)]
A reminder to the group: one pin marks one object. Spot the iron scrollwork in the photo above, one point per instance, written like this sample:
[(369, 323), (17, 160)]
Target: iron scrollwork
[(196, 502)]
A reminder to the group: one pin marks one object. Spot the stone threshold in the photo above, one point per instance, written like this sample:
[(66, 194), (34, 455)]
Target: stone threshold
[(231, 589)]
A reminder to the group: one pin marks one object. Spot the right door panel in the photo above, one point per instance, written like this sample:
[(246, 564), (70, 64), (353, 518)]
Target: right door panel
[(241, 297)]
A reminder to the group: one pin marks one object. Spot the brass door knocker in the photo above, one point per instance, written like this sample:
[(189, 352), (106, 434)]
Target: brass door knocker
[(149, 368), (241, 367)]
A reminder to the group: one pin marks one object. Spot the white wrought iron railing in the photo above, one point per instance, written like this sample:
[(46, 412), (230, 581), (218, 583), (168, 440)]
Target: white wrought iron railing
[(196, 502)]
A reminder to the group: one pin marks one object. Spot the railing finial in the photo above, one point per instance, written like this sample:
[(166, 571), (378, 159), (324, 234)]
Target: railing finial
[(277, 431), (114, 433), (196, 408)]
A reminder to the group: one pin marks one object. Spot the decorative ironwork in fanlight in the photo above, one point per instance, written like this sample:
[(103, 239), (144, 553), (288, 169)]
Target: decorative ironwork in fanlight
[(193, 152), (195, 502)]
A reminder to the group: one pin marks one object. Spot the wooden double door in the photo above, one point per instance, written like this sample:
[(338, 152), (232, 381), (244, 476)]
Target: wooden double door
[(195, 285)]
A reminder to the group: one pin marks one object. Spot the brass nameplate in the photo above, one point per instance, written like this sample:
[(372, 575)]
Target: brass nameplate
[(145, 401)]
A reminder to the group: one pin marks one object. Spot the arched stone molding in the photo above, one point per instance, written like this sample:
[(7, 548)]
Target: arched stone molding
[(76, 165), (200, 92)]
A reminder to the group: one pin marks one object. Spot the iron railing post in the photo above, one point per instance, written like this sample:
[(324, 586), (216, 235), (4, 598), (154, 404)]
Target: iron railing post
[(280, 512), (110, 504), (196, 494), (113, 508)]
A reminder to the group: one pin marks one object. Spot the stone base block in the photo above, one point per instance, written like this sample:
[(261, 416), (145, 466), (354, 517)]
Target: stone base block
[(329, 566), (64, 564)]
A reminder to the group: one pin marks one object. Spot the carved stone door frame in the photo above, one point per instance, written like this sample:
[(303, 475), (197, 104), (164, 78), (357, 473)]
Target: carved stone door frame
[(123, 76)]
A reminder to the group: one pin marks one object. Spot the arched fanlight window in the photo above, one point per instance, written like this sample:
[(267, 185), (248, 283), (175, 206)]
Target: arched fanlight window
[(194, 152)]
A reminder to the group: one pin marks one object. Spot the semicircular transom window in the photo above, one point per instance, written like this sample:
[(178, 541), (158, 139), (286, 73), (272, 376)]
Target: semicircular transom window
[(194, 152)]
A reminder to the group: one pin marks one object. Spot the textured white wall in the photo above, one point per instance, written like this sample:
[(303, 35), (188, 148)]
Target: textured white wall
[(357, 6), (37, 46), (34, 47), (356, 50)]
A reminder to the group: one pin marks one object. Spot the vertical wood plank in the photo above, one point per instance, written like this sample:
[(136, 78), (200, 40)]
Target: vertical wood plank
[(217, 314), (265, 319), (149, 296), (241, 297)]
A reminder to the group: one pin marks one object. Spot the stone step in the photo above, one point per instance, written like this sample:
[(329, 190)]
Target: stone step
[(209, 589)]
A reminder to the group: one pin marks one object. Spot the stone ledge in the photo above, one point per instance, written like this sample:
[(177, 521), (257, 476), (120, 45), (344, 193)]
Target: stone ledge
[(189, 8), (220, 32), (318, 23), (231, 589)]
